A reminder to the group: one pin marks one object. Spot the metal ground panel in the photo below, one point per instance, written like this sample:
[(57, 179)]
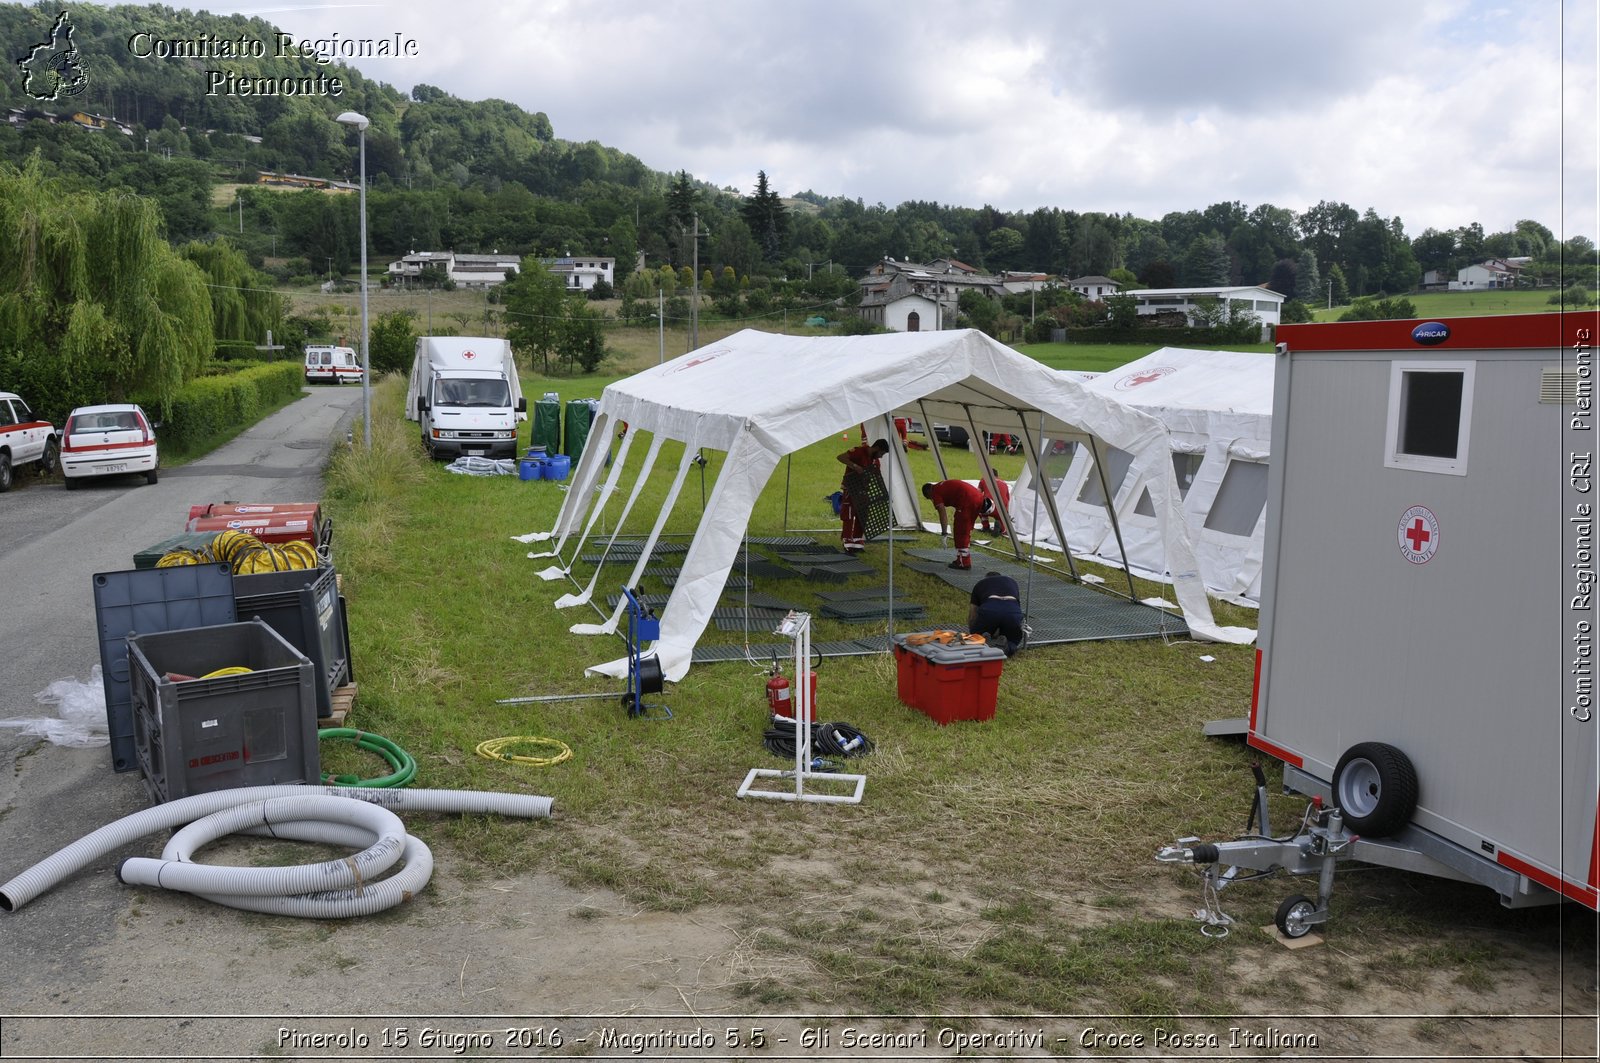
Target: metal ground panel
[(871, 609)]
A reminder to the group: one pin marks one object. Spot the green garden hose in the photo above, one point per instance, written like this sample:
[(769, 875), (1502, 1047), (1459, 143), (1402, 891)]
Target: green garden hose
[(405, 767)]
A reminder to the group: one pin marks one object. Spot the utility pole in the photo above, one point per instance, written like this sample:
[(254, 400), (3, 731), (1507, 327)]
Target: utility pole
[(694, 305), (661, 325)]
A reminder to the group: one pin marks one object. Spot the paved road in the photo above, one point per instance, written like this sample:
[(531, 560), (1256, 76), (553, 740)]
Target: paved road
[(52, 541)]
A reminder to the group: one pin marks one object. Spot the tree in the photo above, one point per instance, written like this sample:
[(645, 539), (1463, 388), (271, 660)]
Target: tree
[(535, 308), (683, 199), (1123, 310), (978, 311), (393, 342), (94, 304), (1205, 262), (1307, 279), (1005, 249), (243, 310), (767, 219), (1337, 286)]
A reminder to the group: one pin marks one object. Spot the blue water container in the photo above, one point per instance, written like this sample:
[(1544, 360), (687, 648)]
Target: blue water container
[(530, 468), (557, 466)]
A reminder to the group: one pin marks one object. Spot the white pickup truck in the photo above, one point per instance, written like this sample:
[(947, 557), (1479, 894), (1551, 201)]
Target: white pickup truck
[(24, 438)]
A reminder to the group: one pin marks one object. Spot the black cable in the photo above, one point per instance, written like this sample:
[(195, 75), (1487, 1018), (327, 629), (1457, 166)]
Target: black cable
[(827, 740)]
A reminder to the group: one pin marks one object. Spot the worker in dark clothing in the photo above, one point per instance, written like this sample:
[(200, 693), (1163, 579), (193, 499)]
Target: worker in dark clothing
[(858, 462), (967, 504), (997, 610)]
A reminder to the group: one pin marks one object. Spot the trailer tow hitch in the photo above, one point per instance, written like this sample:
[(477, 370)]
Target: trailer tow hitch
[(1314, 849)]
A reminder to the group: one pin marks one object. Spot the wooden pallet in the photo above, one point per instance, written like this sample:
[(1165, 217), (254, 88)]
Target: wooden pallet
[(344, 699)]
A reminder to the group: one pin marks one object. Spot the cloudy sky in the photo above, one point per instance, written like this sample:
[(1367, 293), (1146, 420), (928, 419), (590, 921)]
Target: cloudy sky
[(1442, 112)]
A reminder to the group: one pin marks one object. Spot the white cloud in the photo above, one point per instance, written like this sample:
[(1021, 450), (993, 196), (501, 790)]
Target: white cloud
[(1441, 113)]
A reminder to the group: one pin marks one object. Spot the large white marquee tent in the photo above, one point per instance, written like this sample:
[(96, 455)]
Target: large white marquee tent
[(758, 397), (1217, 407)]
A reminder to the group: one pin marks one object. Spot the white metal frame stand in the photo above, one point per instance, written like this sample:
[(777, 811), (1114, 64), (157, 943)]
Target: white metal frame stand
[(798, 627)]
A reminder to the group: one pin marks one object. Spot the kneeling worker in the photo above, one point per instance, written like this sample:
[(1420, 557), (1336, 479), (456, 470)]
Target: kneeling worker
[(997, 610)]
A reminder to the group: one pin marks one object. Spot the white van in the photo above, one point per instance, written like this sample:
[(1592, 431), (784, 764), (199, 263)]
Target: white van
[(332, 365)]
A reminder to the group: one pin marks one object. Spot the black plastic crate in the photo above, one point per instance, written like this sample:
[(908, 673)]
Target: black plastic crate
[(302, 605), (149, 601), (196, 735)]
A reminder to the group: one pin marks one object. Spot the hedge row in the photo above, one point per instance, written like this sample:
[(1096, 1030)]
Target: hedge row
[(1166, 337), (211, 405)]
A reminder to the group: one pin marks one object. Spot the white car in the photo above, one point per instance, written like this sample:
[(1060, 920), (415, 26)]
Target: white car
[(23, 438), (108, 441)]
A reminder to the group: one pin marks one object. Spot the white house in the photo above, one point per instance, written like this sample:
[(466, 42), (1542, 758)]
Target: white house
[(483, 271), (1495, 273), (1264, 303), (582, 272), (1017, 282), (1093, 287), (900, 304), (468, 271)]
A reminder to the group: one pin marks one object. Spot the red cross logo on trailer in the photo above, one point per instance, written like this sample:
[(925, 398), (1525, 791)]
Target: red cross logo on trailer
[(1419, 534)]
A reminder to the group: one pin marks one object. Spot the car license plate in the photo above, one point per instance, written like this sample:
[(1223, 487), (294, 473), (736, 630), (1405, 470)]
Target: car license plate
[(120, 466)]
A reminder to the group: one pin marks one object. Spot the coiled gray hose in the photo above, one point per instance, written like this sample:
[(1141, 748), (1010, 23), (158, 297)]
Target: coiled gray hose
[(334, 889)]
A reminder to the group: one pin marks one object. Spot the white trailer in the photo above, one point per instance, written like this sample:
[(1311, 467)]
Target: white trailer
[(1425, 664)]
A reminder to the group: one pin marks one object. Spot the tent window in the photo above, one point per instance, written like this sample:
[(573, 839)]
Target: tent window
[(1116, 463), (1240, 499), (1056, 460), (1430, 407), (1185, 466)]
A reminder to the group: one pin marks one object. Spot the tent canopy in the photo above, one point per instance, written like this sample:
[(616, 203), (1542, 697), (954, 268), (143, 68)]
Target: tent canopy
[(759, 396), (1217, 406)]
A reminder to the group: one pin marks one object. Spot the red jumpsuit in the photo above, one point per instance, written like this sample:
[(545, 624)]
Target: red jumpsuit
[(853, 533), (967, 502), (998, 516)]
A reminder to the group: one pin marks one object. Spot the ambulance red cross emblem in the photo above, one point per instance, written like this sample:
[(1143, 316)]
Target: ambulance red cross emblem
[(1419, 534)]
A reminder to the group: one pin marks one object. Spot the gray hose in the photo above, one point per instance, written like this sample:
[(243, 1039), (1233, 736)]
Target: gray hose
[(336, 899)]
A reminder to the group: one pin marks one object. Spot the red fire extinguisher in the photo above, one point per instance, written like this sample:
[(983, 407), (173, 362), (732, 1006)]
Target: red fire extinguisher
[(779, 702)]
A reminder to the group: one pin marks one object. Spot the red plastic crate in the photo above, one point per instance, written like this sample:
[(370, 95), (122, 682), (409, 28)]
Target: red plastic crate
[(949, 683)]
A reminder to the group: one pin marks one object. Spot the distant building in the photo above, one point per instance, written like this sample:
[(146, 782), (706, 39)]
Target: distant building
[(1017, 282), (1494, 273), (1264, 303), (467, 271), (1093, 286), (582, 272)]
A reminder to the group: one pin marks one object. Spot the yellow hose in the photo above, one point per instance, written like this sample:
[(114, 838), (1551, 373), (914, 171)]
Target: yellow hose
[(495, 749)]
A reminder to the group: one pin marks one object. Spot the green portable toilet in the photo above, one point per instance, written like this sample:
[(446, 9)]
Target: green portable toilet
[(547, 423), (580, 416)]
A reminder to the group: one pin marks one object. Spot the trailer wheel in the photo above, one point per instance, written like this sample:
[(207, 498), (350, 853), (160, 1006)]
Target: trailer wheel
[(1293, 915), (1375, 787)]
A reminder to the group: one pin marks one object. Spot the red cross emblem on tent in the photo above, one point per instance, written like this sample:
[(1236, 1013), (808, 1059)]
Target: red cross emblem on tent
[(1419, 534), (1144, 376)]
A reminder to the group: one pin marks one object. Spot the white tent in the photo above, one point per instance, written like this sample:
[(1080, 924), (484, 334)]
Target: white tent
[(1217, 406), (759, 397)]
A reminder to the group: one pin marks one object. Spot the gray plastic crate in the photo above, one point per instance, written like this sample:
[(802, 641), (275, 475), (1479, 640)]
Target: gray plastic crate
[(150, 600), (195, 736), (302, 605)]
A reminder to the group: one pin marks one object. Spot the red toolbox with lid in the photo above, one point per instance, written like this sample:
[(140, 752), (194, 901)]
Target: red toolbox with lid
[(948, 680), (278, 522)]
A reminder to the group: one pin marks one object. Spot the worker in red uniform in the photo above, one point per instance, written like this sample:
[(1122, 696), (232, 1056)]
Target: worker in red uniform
[(857, 461), (967, 504), (997, 514)]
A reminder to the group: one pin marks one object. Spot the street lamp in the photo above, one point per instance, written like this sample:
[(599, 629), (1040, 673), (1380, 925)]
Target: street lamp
[(359, 121)]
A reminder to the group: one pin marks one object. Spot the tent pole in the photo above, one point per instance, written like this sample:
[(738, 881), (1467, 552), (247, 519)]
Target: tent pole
[(1041, 486), (938, 456), (1111, 511), (788, 471), (987, 473)]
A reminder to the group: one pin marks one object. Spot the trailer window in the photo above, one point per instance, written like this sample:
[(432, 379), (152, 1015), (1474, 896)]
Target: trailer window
[(1116, 467), (1240, 499), (1430, 407)]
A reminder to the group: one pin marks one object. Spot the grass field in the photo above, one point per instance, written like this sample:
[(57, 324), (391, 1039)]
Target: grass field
[(993, 868), (1469, 304)]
